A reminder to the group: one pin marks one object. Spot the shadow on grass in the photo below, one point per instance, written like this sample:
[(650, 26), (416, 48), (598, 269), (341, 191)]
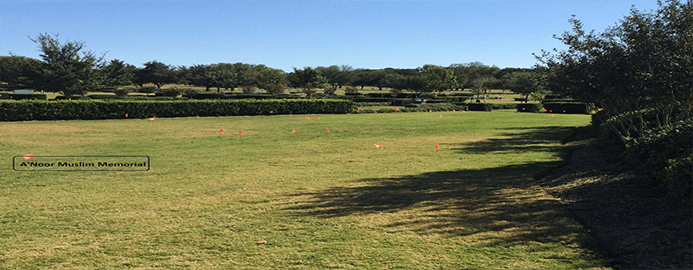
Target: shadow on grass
[(521, 140), (505, 201)]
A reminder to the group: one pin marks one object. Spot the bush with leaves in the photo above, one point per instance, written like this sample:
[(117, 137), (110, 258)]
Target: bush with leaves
[(666, 154), (642, 62), (123, 91)]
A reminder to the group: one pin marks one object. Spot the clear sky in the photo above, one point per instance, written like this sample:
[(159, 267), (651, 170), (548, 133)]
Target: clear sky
[(287, 34)]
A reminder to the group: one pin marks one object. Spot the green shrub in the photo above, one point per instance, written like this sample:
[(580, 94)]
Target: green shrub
[(486, 107), (440, 107), (103, 96), (71, 98), (530, 107), (376, 99), (406, 95), (146, 89), (112, 109), (28, 96), (379, 95), (122, 92), (569, 107), (274, 88), (172, 92), (504, 106), (667, 155), (350, 90), (247, 89), (208, 96)]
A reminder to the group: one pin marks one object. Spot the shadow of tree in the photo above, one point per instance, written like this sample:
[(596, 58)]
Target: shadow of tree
[(506, 200), (520, 140)]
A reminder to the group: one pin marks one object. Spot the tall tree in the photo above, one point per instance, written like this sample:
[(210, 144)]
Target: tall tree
[(643, 63), (438, 78), (66, 67), (156, 73), (522, 82), (19, 71), (483, 84), (307, 79), (270, 79), (118, 73), (202, 75)]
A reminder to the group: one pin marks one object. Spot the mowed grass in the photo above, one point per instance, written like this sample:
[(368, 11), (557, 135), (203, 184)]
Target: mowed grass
[(317, 199)]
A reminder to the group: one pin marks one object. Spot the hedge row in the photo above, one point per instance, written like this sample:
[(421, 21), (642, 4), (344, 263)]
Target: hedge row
[(113, 109), (530, 107), (27, 96), (441, 107), (569, 107), (486, 107)]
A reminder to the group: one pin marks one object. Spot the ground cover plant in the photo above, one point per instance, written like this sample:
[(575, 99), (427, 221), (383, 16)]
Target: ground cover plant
[(449, 190)]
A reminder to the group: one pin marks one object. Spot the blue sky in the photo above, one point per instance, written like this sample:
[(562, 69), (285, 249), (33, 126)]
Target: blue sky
[(287, 34)]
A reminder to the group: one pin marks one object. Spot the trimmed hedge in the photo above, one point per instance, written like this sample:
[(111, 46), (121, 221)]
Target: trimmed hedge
[(28, 96), (114, 109), (374, 99), (570, 107), (440, 107), (530, 107), (504, 106), (485, 107)]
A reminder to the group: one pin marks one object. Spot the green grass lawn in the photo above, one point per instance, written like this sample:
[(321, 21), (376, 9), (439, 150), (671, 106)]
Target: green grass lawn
[(317, 199)]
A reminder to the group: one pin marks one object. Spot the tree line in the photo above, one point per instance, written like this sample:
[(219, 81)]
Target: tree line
[(69, 69)]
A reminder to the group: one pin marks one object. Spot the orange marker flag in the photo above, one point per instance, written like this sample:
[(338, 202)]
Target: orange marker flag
[(454, 118), (240, 132), (152, 119), (29, 156), (463, 111), (293, 131), (317, 119), (552, 115), (377, 145), (437, 146), (307, 118), (221, 130), (453, 110), (441, 116), (327, 130)]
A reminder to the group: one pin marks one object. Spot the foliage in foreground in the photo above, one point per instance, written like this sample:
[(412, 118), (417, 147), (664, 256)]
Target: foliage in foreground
[(644, 62), (640, 73), (667, 154)]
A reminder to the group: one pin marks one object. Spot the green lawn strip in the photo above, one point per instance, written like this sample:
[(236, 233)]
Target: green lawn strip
[(319, 199)]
